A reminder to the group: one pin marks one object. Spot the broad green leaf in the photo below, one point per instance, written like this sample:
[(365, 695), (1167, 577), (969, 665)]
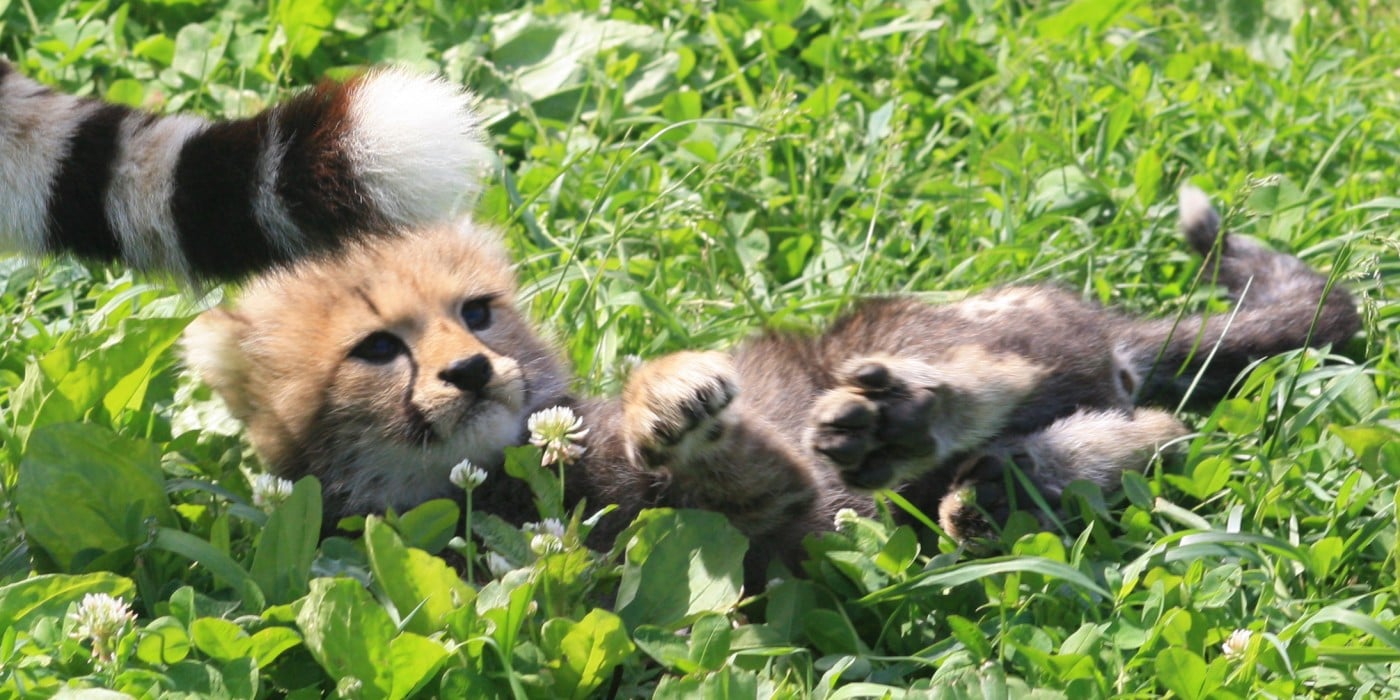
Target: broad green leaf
[(788, 605), (728, 684), (85, 492), (899, 552), (413, 662), (1366, 441), (505, 602), (681, 105), (832, 633), (127, 92), (1068, 190), (1138, 491), (972, 636), (156, 47), (48, 596), (679, 563), (1147, 176), (129, 364), (668, 648), (196, 51), (468, 682), (235, 680), (710, 636), (591, 648), (163, 641), (305, 22), (240, 678), (860, 568), (1082, 15), (1183, 673), (419, 584), (430, 525), (1323, 554), (402, 46), (1208, 476), (349, 634), (220, 639), (544, 55), (268, 644), (282, 563)]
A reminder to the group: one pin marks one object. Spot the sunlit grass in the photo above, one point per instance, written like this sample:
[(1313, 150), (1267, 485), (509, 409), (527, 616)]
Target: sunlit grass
[(677, 175)]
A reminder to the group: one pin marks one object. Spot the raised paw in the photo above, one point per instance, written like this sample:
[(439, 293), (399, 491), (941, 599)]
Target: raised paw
[(985, 493), (675, 407), (891, 418), (876, 421)]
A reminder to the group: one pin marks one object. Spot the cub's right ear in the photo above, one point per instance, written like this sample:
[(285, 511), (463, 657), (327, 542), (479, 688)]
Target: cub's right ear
[(212, 347)]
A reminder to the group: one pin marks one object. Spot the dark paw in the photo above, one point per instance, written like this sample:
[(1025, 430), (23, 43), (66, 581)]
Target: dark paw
[(987, 490), (874, 425)]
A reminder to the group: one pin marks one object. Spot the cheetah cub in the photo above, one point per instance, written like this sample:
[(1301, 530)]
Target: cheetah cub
[(379, 370)]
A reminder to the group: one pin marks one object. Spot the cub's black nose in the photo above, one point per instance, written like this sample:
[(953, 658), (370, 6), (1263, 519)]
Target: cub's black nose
[(470, 374)]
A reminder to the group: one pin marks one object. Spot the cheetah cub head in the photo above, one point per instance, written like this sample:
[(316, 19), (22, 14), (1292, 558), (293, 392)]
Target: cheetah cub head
[(380, 369)]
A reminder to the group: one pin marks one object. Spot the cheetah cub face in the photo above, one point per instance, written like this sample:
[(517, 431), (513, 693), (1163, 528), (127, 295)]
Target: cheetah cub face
[(382, 370)]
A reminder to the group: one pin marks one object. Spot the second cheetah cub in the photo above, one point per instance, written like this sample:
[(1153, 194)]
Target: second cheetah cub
[(379, 370)]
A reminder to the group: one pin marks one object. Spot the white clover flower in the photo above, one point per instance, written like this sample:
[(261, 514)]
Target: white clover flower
[(498, 565), (550, 526), (557, 431), (846, 520), (467, 476), (101, 618), (1235, 646), (546, 543), (270, 491)]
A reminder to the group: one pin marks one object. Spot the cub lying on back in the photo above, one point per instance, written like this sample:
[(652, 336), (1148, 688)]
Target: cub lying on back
[(380, 370)]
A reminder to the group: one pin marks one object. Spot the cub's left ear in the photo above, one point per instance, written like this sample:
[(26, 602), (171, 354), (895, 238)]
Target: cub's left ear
[(212, 347)]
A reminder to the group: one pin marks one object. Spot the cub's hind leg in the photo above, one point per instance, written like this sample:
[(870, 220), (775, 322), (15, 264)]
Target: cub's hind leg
[(890, 419), (1094, 446), (685, 414)]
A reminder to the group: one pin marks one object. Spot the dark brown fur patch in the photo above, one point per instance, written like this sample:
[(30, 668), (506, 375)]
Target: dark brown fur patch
[(316, 180), (77, 201), (216, 180)]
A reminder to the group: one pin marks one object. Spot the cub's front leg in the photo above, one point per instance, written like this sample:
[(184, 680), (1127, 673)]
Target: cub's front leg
[(890, 419), (685, 414)]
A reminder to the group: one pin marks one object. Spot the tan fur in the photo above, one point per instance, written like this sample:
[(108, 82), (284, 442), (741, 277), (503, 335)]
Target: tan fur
[(281, 362)]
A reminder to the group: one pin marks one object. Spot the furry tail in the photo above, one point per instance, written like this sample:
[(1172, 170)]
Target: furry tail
[(218, 200), (1282, 305)]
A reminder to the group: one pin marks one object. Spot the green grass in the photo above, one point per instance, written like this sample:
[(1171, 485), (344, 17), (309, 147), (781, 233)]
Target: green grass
[(676, 175)]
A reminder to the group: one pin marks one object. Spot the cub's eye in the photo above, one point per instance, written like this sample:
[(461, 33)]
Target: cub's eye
[(476, 313), (379, 348)]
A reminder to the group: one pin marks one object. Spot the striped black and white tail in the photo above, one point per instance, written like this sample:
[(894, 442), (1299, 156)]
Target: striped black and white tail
[(1282, 304), (217, 200)]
